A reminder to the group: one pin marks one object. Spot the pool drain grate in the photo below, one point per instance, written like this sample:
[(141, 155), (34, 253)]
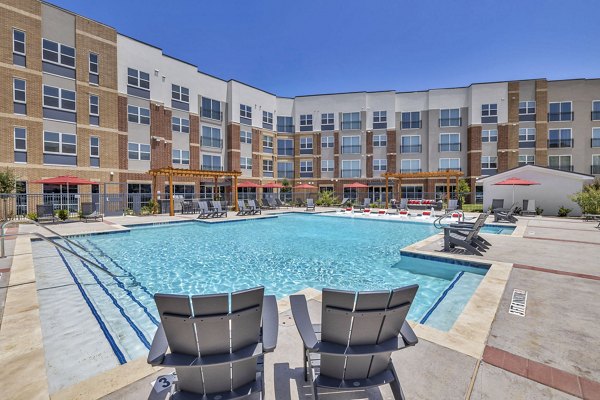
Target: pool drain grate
[(518, 304)]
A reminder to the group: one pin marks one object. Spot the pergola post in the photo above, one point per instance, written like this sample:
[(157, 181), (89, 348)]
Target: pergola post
[(154, 188), (386, 192), (235, 194), (215, 187), (448, 188), (171, 200)]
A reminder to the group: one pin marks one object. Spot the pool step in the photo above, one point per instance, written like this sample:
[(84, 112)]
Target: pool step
[(450, 303)]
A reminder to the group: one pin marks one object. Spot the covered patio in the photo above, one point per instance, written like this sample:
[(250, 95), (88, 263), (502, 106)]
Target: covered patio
[(170, 172), (399, 176)]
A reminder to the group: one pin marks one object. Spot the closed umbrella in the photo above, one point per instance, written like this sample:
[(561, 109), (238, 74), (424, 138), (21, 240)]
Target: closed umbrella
[(516, 182)]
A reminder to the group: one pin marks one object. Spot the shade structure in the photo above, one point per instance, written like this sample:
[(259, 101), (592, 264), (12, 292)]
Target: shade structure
[(272, 185), (515, 182), (356, 185), (66, 180), (305, 186), (248, 184)]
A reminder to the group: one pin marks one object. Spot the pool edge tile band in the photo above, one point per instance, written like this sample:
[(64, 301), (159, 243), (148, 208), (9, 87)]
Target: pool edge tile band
[(466, 263)]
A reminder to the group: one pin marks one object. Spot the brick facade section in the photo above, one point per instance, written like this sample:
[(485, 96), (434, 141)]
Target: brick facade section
[(369, 155), (233, 149), (392, 152), (160, 122), (474, 150), (195, 142), (336, 154), (502, 148), (32, 28), (541, 122), (123, 158)]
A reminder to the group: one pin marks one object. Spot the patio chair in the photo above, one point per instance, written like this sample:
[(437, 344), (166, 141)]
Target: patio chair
[(243, 209), (254, 209), (342, 203), (497, 203), (463, 237), (403, 204), (203, 211), (358, 333), (88, 213), (310, 205), (264, 204), (508, 215), (218, 210), (477, 225), (280, 203), (272, 203), (528, 208), (45, 213), (452, 205), (366, 203), (216, 342)]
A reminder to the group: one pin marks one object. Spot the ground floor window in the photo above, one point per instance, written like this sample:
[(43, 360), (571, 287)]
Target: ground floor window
[(479, 194), (181, 191), (207, 192), (326, 188), (412, 192), (62, 197), (377, 193), (246, 193), (440, 191), (21, 197), (138, 195)]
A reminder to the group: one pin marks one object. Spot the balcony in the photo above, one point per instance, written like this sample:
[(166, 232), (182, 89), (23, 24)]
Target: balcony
[(568, 168), (211, 142), (411, 124), (450, 122), (595, 142), (211, 114), (351, 173), (449, 147), (410, 170), (211, 167), (595, 115), (353, 149), (595, 169), (561, 116), (560, 143), (306, 150), (450, 169), (351, 125), (411, 148), (285, 128)]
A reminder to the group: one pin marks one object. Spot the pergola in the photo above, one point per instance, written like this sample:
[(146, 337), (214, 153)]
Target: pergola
[(171, 172), (420, 175)]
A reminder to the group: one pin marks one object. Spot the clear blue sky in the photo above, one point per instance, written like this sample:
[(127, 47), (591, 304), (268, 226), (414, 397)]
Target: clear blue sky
[(306, 47)]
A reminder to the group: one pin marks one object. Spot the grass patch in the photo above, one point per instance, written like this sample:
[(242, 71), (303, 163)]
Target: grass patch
[(472, 207)]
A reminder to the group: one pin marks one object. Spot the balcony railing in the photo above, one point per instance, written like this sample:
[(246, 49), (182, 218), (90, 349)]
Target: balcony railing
[(211, 142), (411, 124), (210, 167), (568, 168), (351, 125), (285, 174), (411, 148), (561, 116), (285, 151), (350, 173), (559, 143), (595, 115), (449, 147), (595, 142), (353, 149), (306, 150), (450, 122), (450, 169), (409, 170), (526, 144), (211, 114), (285, 128), (595, 170)]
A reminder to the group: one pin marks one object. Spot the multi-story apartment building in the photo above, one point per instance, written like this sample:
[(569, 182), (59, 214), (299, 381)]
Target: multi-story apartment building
[(79, 98)]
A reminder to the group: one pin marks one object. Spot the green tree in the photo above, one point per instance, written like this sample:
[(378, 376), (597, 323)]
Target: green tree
[(8, 181), (286, 186), (462, 189), (588, 198)]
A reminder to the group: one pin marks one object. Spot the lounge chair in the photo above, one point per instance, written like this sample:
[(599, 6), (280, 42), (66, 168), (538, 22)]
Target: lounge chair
[(452, 205), (264, 204), (215, 342), (358, 334), (88, 213), (280, 203), (342, 203), (254, 208), (497, 203), (203, 211), (45, 213), (503, 214), (366, 203), (218, 210), (310, 205), (403, 204), (243, 209), (476, 225), (463, 237), (272, 203), (528, 208)]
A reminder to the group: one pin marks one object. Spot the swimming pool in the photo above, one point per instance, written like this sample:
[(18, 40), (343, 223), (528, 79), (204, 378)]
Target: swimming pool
[(284, 254)]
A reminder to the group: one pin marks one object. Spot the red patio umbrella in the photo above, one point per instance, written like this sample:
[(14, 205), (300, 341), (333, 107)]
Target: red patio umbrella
[(305, 186), (272, 185), (516, 182), (356, 185), (67, 180), (248, 184)]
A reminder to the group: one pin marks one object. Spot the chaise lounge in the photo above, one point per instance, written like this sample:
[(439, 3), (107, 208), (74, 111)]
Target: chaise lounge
[(88, 213)]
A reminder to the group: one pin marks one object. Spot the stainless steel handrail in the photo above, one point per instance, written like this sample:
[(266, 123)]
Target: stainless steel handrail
[(438, 221)]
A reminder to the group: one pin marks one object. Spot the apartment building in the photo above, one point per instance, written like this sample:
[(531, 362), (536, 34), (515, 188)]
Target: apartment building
[(80, 98)]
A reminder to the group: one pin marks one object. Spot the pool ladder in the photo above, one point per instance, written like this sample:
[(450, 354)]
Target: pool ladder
[(53, 243), (438, 221)]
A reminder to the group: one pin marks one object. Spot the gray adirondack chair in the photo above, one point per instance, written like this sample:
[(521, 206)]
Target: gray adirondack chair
[(218, 210), (464, 237), (505, 214), (216, 342), (359, 332), (203, 211), (254, 209), (310, 205), (88, 213), (243, 209), (497, 203), (476, 225), (528, 208)]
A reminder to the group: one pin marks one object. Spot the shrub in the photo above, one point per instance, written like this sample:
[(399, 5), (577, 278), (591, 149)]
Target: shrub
[(472, 207), (62, 214), (563, 211), (589, 198), (539, 211), (32, 216), (327, 199)]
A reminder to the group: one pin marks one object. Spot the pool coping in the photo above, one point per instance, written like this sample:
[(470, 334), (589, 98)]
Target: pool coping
[(28, 369)]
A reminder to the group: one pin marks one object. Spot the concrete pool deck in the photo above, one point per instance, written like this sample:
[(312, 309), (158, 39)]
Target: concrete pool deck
[(549, 353)]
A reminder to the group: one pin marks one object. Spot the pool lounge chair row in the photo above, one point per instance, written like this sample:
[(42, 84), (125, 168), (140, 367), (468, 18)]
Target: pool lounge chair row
[(466, 236), (205, 212), (248, 209), (217, 342)]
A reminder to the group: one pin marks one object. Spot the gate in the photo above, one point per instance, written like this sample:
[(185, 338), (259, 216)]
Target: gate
[(114, 199)]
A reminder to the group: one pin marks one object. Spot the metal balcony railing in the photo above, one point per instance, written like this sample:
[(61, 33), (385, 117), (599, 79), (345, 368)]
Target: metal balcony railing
[(285, 128), (411, 124), (595, 142), (595, 169), (449, 147), (351, 125), (411, 148), (450, 122), (212, 167), (595, 115), (568, 168), (351, 173), (560, 143), (212, 114), (450, 169), (352, 149), (211, 142), (561, 116)]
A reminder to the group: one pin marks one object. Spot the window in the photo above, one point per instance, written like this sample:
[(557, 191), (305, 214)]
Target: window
[(526, 159), (138, 151), (327, 122), (449, 164), (306, 122), (411, 120), (489, 136), (20, 145), (18, 42), (380, 165), (180, 93), (327, 141), (526, 138), (58, 53), (326, 165), (94, 151), (351, 120), (285, 124), (595, 168), (181, 157), (562, 111), (596, 110), (351, 145), (410, 166), (246, 162), (94, 110), (139, 79), (412, 192), (19, 96), (285, 170), (379, 119), (450, 117), (245, 111), (489, 110), (595, 137), (58, 98), (562, 163), (350, 168), (558, 138), (60, 143), (267, 142), (138, 115), (268, 168), (306, 145), (306, 169), (449, 142), (379, 140), (211, 137), (180, 124), (211, 163), (246, 137), (410, 144), (285, 147), (527, 108), (268, 117), (184, 191), (211, 109), (489, 162), (93, 68)]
